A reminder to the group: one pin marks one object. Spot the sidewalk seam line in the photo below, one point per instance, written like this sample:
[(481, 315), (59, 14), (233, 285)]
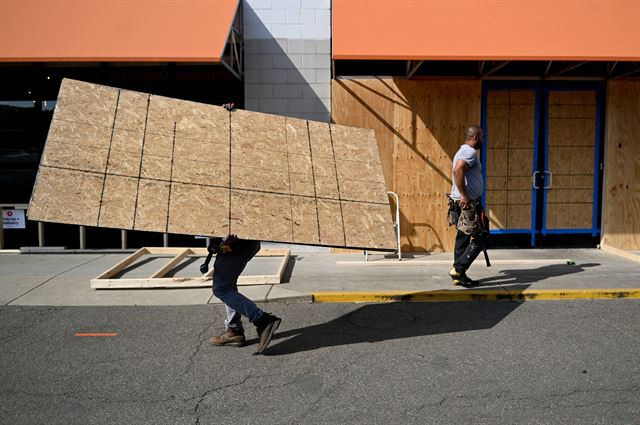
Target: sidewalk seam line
[(53, 277)]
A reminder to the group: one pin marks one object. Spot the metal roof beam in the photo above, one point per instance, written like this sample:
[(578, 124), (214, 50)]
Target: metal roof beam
[(568, 68), (628, 73), (496, 68), (412, 68)]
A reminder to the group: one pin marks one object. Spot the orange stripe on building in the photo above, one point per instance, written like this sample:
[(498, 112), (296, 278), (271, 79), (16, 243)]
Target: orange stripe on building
[(116, 31), (589, 30)]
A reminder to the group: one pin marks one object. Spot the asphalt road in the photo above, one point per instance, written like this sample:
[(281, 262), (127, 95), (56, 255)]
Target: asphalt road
[(540, 362)]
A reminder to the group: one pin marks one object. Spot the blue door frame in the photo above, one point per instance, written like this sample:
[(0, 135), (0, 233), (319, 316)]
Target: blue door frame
[(542, 90)]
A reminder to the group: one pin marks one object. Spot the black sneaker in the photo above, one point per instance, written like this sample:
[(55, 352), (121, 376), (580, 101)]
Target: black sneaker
[(266, 326)]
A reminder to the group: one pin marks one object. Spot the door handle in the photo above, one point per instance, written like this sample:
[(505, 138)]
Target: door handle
[(535, 174), (550, 179)]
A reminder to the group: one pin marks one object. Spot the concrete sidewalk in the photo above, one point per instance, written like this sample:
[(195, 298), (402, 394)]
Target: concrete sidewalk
[(64, 278)]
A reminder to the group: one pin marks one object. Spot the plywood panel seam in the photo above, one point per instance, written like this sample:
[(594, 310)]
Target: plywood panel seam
[(335, 166), (173, 154), (106, 166), (144, 136), (313, 175), (286, 144)]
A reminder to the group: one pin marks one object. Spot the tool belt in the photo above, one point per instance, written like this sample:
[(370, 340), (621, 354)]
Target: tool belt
[(218, 246), (471, 221)]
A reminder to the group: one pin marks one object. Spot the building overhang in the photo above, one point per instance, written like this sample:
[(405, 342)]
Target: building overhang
[(137, 31), (486, 38)]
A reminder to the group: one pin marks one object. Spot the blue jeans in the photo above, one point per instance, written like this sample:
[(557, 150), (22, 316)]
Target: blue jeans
[(227, 269)]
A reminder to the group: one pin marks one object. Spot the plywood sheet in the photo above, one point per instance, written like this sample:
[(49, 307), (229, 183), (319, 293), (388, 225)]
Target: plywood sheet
[(67, 196), (621, 191), (572, 141), (198, 210), (129, 160), (419, 125), (510, 157), (118, 202)]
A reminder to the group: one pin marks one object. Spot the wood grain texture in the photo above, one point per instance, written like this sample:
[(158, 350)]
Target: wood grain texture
[(419, 125), (621, 203), (510, 142), (572, 141), (118, 202), (136, 161), (66, 196), (198, 210)]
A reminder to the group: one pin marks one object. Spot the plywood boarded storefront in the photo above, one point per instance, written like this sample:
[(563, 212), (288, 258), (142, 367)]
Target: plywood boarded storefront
[(419, 126), (621, 204)]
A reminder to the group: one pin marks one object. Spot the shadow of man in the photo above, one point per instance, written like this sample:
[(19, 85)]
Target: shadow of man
[(527, 276), (393, 321)]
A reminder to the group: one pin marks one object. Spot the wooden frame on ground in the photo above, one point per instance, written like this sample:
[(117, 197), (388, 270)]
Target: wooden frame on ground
[(156, 280)]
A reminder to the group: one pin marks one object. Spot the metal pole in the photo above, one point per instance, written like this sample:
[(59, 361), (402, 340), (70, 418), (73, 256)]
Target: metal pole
[(83, 237), (396, 225), (123, 239), (165, 240), (1, 233), (40, 234)]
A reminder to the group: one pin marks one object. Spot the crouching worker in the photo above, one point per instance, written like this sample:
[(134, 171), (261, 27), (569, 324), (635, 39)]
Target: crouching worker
[(465, 211), (232, 256)]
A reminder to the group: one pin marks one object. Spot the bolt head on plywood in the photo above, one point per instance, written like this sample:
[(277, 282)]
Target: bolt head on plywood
[(122, 159)]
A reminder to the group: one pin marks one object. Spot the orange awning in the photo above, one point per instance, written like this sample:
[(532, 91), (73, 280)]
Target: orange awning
[(115, 31), (567, 30)]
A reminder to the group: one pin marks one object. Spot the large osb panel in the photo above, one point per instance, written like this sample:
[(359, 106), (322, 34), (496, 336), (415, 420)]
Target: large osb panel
[(130, 160), (419, 125), (66, 196), (118, 202), (198, 210)]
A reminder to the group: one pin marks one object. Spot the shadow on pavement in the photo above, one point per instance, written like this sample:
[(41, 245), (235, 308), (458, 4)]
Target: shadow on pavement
[(382, 322), (527, 276)]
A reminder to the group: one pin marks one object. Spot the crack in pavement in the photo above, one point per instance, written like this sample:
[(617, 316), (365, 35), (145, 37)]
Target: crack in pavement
[(199, 346), (202, 396)]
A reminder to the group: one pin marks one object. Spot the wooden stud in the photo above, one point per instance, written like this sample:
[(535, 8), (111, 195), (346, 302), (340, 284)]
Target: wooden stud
[(171, 264), (122, 264)]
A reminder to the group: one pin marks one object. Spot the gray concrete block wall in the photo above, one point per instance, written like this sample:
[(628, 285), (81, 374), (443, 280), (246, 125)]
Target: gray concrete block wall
[(288, 57)]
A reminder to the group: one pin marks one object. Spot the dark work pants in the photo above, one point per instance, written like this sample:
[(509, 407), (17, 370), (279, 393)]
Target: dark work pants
[(466, 250), (227, 268)]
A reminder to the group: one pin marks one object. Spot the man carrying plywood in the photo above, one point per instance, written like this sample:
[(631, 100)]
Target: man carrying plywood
[(465, 210), (232, 256)]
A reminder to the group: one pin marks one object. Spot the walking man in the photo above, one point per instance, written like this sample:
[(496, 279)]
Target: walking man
[(232, 256), (467, 188)]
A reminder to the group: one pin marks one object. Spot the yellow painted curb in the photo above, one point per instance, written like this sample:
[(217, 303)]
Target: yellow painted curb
[(473, 295)]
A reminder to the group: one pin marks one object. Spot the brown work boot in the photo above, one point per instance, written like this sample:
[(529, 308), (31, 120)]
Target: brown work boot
[(266, 326), (230, 338)]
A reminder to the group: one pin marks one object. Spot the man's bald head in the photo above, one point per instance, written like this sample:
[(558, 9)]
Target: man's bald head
[(473, 136), (472, 131)]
